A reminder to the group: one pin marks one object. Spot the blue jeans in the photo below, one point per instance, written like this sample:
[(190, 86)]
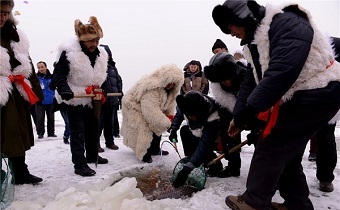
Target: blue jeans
[(63, 113)]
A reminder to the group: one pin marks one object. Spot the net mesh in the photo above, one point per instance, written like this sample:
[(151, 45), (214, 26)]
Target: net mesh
[(196, 178), (7, 183)]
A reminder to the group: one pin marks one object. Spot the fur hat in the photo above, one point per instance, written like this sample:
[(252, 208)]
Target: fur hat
[(6, 5), (219, 44), (222, 66), (89, 31), (194, 103), (240, 13)]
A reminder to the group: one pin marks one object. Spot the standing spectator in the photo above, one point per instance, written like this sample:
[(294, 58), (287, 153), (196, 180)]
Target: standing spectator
[(19, 88), (324, 145), (147, 107), (116, 127), (219, 46), (295, 86), (81, 68), (194, 78), (46, 105), (64, 115), (112, 84)]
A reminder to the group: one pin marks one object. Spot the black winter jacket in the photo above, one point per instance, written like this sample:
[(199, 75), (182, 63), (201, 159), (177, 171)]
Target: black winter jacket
[(112, 84)]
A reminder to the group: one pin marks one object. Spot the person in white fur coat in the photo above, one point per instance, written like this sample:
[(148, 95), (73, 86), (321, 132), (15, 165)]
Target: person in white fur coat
[(147, 110)]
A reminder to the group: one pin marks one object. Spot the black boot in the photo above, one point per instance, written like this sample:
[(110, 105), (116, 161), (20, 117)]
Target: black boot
[(215, 169), (85, 170), (66, 141), (28, 179), (229, 172), (147, 158)]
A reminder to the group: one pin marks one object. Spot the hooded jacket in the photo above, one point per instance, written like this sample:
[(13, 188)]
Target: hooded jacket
[(194, 81), (146, 107)]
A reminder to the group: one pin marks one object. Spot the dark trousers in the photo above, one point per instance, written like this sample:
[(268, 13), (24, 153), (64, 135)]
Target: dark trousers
[(33, 110), (154, 146), (19, 167), (83, 132), (190, 143), (106, 117), (326, 156), (41, 109), (276, 163), (116, 128), (64, 115)]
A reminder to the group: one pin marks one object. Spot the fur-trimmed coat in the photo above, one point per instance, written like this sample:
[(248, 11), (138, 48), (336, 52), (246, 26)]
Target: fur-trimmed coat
[(285, 65), (146, 107), (76, 70), (194, 81), (16, 125)]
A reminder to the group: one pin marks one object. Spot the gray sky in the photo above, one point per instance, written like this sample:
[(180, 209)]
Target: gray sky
[(143, 35)]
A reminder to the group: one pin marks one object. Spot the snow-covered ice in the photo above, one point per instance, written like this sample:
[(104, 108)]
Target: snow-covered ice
[(61, 189)]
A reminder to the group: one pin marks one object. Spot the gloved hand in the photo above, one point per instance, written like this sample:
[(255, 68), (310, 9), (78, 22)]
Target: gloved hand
[(67, 95), (182, 176), (173, 136)]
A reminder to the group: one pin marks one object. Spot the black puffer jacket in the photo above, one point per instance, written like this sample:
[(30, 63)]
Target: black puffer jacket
[(113, 82)]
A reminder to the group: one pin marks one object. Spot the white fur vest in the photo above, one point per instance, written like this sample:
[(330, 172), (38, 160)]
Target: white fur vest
[(225, 99), (314, 73), (21, 53), (82, 74)]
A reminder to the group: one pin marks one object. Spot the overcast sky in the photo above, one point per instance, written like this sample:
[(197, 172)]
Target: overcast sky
[(143, 35)]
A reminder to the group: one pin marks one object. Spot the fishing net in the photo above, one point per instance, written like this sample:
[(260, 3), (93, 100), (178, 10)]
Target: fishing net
[(196, 178), (7, 183)]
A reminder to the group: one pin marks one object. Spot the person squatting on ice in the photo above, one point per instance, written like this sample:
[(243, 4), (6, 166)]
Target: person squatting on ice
[(80, 69), (294, 86), (205, 132), (147, 110), (19, 89)]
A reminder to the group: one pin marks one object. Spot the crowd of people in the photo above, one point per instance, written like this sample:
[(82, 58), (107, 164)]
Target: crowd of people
[(282, 88)]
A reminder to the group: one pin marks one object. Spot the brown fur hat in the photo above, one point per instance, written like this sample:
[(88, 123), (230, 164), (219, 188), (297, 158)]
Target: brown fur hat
[(6, 5), (89, 31)]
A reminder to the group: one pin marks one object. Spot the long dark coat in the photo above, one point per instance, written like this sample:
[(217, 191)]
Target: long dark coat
[(16, 124)]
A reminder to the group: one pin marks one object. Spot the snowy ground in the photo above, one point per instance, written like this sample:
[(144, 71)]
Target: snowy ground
[(61, 189)]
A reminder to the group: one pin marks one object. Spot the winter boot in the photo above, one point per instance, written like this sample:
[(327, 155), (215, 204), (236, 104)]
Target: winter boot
[(215, 169), (229, 172), (237, 203)]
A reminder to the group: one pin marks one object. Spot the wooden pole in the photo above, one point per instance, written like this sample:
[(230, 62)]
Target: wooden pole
[(237, 147)]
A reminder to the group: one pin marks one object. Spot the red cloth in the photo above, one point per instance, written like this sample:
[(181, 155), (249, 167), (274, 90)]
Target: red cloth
[(91, 89), (270, 116), (171, 117), (32, 98)]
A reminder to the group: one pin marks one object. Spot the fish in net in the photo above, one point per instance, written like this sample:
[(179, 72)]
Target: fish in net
[(157, 185)]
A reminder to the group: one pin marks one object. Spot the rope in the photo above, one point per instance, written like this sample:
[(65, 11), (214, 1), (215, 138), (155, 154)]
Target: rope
[(160, 161)]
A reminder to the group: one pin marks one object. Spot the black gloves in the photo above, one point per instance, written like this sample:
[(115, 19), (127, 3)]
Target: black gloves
[(67, 95), (182, 176), (173, 136)]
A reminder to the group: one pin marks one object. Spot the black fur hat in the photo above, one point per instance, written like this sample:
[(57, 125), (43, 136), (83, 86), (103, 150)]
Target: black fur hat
[(240, 13), (219, 44), (222, 66), (194, 103)]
